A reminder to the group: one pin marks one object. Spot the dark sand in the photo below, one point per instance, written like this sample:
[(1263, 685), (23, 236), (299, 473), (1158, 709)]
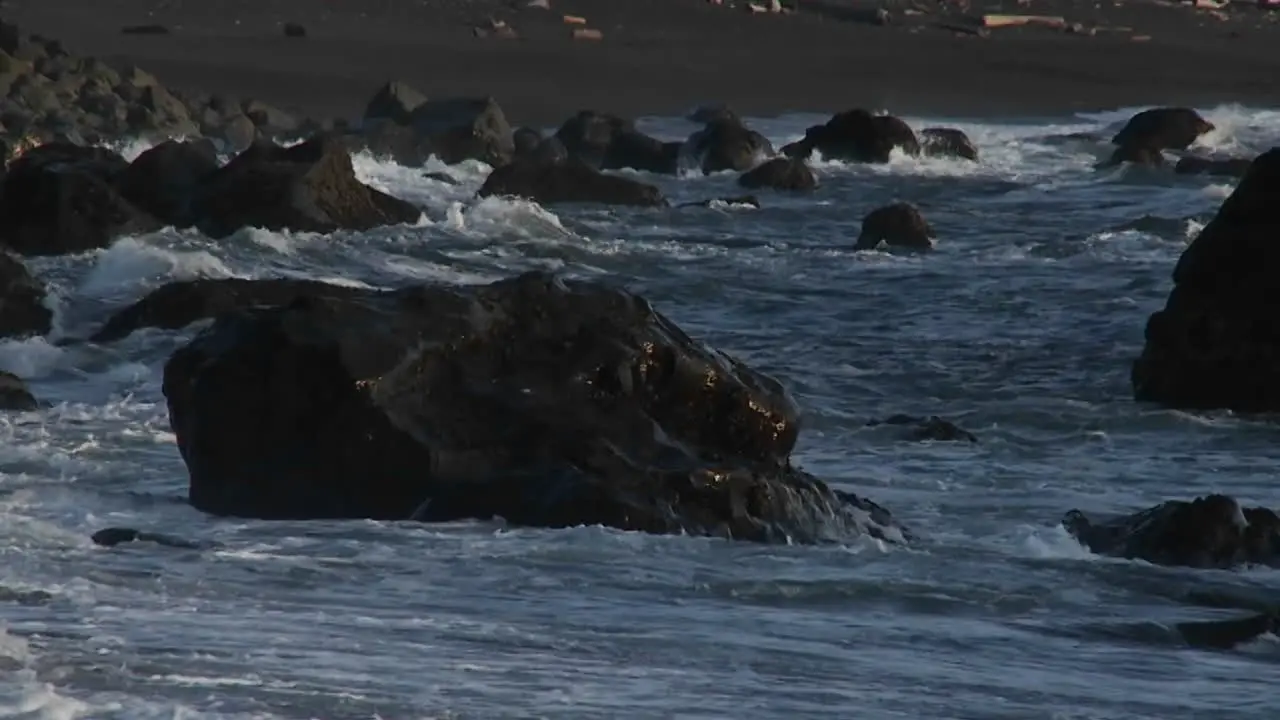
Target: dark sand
[(666, 56)]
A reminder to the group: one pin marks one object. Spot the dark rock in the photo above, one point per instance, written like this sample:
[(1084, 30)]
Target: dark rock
[(269, 120), (525, 140), (928, 428), (780, 174), (394, 101), (1216, 343), (294, 30), (899, 225), (239, 132), (571, 181), (310, 187), (59, 198), (608, 142), (1163, 129), (110, 537), (947, 142), (544, 401), (178, 304), (145, 30), (443, 177), (857, 136), (465, 129), (1226, 634), (22, 308), (1227, 167), (1141, 155), (161, 180), (1208, 532), (14, 394), (725, 144), (386, 139), (708, 114)]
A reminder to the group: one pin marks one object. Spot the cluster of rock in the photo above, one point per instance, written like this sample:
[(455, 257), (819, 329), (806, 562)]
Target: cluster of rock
[(50, 94), (1147, 135)]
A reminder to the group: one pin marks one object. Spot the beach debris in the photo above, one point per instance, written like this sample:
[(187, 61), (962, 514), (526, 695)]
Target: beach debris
[(587, 34), (539, 4), (1000, 21), (145, 30), (1140, 38), (294, 30), (495, 28), (574, 20)]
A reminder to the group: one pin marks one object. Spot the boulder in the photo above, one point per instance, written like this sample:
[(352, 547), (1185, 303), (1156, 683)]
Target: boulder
[(727, 144), (394, 101), (1163, 129), (571, 181), (947, 142), (177, 304), (932, 428), (465, 129), (309, 187), (780, 174), (113, 536), (161, 179), (608, 142), (60, 198), (540, 400), (857, 136), (1216, 342), (22, 308), (1208, 532), (525, 141), (1224, 167), (899, 225), (14, 394)]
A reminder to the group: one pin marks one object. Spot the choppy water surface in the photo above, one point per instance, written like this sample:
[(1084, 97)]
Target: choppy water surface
[(1021, 327)]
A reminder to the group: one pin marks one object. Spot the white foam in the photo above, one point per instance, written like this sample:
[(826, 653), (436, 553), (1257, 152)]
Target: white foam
[(132, 262), (29, 358)]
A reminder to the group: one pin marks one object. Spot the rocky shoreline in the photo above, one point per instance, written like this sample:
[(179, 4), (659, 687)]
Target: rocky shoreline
[(538, 400)]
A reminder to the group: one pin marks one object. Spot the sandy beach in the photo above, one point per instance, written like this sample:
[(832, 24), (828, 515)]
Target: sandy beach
[(666, 56)]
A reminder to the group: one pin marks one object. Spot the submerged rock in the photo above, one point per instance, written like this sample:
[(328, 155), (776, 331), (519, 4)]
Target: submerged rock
[(1208, 532), (178, 304), (947, 142), (1219, 167), (550, 181), (1227, 634), (928, 428), (22, 308), (857, 136), (899, 225), (110, 537), (540, 400), (14, 394), (1216, 343)]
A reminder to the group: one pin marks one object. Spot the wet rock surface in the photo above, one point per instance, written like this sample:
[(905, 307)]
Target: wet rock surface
[(539, 400)]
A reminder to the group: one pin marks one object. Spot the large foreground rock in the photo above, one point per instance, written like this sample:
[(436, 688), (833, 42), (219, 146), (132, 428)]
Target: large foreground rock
[(22, 308), (1216, 343), (308, 187), (1208, 532), (608, 142), (543, 401)]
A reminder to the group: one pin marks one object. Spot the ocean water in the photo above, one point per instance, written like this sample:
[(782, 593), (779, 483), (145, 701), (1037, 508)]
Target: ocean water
[(1020, 326)]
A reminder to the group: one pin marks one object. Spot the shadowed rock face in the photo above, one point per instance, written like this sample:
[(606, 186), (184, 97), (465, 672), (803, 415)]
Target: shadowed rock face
[(1215, 344), (1163, 129), (1213, 531), (856, 136), (543, 401)]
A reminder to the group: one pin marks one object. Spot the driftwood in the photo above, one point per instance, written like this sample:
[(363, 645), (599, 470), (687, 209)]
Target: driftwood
[(999, 21)]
